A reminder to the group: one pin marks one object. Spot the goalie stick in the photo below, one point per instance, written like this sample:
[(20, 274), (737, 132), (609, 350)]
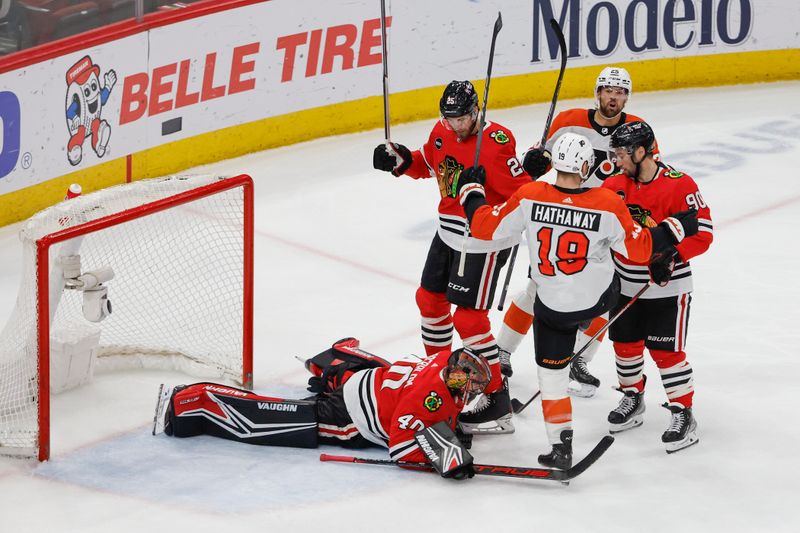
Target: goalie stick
[(523, 472), (562, 46), (519, 406), (498, 25)]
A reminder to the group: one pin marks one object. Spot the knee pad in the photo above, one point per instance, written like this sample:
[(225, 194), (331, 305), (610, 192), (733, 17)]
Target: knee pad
[(667, 359), (471, 323), (629, 349), (432, 304)]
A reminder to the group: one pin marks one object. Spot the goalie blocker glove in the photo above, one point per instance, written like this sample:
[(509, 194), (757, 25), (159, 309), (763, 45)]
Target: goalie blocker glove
[(445, 452), (536, 161), (391, 157)]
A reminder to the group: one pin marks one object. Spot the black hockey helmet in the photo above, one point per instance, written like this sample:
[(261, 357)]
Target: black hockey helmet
[(459, 98), (468, 372), (631, 135)]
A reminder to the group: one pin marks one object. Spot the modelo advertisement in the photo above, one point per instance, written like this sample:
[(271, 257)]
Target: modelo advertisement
[(268, 59)]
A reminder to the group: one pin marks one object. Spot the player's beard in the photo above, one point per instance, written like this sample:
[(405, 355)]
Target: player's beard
[(608, 111)]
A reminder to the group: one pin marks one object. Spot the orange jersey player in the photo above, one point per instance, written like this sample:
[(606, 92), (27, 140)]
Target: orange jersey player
[(363, 400), (571, 232), (659, 319), (450, 148), (612, 90)]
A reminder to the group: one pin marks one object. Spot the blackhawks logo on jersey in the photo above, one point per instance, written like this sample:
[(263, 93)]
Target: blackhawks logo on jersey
[(432, 402), (449, 172), (499, 136), (672, 173), (642, 216)]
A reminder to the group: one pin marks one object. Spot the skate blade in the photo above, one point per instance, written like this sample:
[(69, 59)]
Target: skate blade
[(501, 426), (159, 419), (690, 440), (634, 422), (581, 390)]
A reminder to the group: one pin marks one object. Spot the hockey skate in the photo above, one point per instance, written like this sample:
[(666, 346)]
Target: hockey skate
[(682, 430), (163, 408), (561, 454), (630, 411), (582, 383), (505, 363), (491, 415)]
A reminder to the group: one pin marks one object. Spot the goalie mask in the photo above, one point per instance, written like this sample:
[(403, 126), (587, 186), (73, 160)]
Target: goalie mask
[(467, 372), (570, 152)]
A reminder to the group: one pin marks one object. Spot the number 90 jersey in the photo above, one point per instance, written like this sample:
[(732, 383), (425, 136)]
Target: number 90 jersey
[(570, 234), (389, 405)]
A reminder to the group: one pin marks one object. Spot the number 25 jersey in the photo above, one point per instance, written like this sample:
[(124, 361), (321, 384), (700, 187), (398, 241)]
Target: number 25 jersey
[(570, 235)]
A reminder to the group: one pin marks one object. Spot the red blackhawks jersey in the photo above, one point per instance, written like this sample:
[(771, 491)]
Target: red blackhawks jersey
[(650, 203), (389, 405), (444, 157), (581, 121), (570, 233)]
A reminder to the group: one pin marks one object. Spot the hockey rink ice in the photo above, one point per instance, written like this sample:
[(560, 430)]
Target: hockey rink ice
[(339, 251)]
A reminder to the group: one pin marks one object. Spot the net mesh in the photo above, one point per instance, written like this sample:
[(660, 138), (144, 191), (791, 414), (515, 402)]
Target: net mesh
[(177, 291)]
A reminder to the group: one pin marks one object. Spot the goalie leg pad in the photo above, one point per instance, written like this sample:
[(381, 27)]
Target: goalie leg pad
[(242, 416)]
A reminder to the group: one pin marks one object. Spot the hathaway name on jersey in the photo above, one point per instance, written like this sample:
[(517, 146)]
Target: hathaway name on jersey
[(563, 216)]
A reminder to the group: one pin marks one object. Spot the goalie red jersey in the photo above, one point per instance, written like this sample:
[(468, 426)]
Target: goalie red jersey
[(649, 203), (444, 157), (389, 405)]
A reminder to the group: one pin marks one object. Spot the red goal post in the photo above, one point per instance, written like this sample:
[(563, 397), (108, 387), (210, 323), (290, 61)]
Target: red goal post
[(181, 251)]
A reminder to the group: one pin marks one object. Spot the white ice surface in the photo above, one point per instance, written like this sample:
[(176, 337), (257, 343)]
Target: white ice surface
[(339, 250)]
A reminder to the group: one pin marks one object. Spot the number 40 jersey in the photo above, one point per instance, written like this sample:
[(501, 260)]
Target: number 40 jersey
[(570, 235)]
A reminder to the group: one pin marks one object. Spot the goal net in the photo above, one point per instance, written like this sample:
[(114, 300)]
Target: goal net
[(151, 274)]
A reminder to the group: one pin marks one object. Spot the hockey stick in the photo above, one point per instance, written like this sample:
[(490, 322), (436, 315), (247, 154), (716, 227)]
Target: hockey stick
[(498, 25), (385, 61), (562, 46), (495, 470), (516, 403), (517, 406)]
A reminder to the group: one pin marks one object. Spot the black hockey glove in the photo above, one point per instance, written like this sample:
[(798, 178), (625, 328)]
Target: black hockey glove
[(536, 161), (662, 264), (396, 159), (471, 181), (680, 225)]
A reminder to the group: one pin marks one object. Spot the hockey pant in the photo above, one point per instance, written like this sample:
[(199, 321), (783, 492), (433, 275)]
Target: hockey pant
[(554, 336), (518, 320), (660, 325)]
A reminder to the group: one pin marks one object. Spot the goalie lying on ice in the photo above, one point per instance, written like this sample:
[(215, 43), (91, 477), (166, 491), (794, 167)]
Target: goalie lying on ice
[(360, 400)]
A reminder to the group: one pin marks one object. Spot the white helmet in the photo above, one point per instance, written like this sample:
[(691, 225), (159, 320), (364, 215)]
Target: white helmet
[(614, 77), (570, 151)]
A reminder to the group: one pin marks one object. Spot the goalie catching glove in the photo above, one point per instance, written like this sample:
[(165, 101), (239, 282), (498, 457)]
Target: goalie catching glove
[(391, 157)]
